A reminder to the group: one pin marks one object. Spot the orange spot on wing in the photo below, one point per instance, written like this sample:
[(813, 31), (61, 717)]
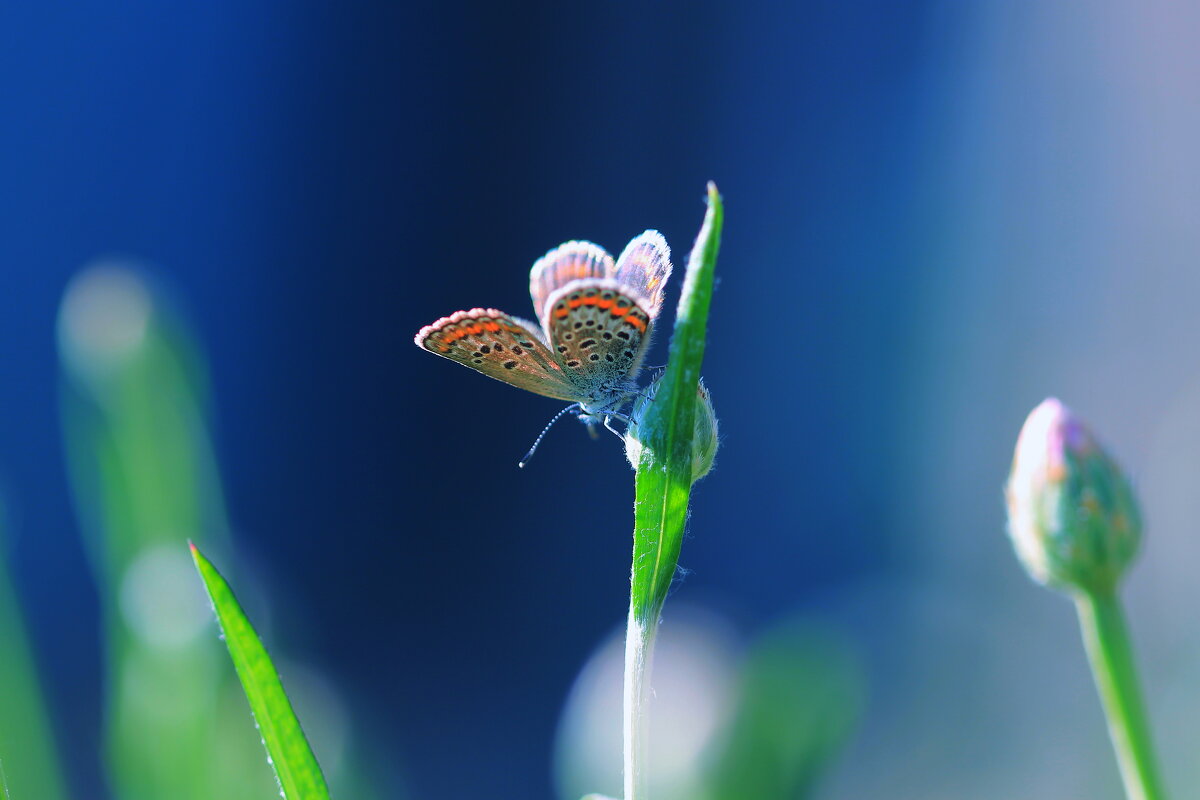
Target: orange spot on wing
[(575, 303), (491, 327), (619, 310), (604, 304), (636, 322), (561, 312)]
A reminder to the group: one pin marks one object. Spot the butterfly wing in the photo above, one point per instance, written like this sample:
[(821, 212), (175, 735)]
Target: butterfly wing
[(501, 347), (600, 329), (565, 263), (644, 267)]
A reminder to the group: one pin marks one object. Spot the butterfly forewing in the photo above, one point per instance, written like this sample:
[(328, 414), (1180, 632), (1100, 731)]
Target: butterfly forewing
[(644, 267), (501, 347), (567, 262), (599, 330)]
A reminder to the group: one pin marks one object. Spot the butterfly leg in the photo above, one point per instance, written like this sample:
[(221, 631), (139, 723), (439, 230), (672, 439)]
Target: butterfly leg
[(619, 416), (608, 424)]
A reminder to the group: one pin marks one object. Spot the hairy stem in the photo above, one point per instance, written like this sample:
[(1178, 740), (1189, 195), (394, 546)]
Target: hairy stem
[(639, 651)]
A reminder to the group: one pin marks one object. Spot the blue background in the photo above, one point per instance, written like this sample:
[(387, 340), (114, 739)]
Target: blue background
[(937, 213)]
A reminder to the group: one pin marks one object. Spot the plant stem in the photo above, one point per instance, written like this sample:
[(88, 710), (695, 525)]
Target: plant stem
[(662, 487), (639, 652), (1106, 637)]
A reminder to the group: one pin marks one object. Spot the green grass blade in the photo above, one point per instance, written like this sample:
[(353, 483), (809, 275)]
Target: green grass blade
[(295, 766), (664, 472)]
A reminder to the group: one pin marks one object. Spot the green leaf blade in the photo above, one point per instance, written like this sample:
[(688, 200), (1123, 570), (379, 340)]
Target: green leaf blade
[(288, 751), (664, 472)]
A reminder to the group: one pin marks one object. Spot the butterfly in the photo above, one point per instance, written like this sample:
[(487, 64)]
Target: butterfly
[(594, 322)]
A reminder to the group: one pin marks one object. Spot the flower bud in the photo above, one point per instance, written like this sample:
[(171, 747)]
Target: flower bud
[(704, 437), (1072, 514)]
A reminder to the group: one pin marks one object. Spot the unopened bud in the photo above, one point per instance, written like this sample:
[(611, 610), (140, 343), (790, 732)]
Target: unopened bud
[(1072, 514), (704, 437)]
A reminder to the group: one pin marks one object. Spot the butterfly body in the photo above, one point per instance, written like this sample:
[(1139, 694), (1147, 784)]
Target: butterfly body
[(596, 317)]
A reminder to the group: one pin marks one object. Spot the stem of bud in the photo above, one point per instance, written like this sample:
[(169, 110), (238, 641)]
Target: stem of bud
[(1106, 637)]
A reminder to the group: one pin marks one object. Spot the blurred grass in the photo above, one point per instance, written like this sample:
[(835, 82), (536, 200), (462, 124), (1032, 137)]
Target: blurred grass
[(145, 481), (28, 758), (764, 720), (800, 697)]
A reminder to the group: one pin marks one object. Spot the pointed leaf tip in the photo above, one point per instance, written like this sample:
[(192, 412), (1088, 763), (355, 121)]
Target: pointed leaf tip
[(288, 752)]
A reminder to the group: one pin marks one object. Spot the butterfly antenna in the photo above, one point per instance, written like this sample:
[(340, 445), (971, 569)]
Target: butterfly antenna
[(542, 435)]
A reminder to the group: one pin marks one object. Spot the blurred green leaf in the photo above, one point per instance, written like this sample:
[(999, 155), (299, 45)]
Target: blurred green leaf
[(289, 754), (28, 763), (144, 478), (800, 699)]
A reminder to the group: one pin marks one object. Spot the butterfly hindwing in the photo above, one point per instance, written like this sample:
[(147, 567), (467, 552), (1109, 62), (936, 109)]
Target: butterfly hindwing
[(599, 329), (565, 263), (644, 267), (501, 347)]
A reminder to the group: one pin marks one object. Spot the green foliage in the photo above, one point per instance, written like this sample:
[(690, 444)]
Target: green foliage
[(289, 754)]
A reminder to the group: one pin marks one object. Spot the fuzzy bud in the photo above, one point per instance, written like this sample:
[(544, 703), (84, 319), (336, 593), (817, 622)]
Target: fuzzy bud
[(1072, 515), (704, 437)]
